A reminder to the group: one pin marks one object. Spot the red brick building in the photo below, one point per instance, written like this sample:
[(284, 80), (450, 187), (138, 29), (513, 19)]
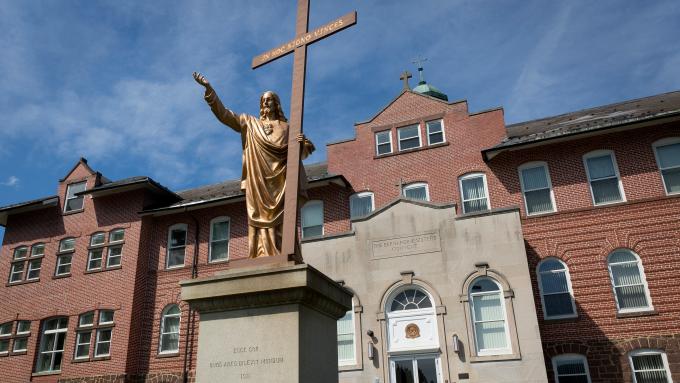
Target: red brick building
[(92, 293)]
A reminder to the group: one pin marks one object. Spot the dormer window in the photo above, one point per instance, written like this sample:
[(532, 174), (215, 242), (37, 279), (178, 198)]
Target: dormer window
[(73, 202)]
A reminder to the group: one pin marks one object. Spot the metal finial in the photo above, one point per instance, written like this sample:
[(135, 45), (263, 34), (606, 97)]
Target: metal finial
[(419, 61)]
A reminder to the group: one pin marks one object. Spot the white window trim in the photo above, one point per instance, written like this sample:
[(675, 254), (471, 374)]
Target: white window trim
[(90, 258), (97, 342), (54, 347), (427, 127), (66, 199), (323, 218), (185, 227), (86, 325), (64, 240), (414, 358), (12, 272), (210, 239), (364, 194), (115, 231), (600, 153), (486, 189), (375, 137), (508, 341), (109, 256), (99, 319), (420, 138), (162, 332), (23, 332), (59, 258), (571, 291), (79, 343), (26, 253), (646, 351), (350, 362), (582, 358), (415, 185), (655, 145), (30, 268), (643, 277), (531, 165)]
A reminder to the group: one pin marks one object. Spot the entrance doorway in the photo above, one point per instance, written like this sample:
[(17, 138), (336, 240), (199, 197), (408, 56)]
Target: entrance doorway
[(415, 369)]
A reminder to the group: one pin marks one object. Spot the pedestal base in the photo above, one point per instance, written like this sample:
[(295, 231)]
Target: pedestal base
[(274, 324)]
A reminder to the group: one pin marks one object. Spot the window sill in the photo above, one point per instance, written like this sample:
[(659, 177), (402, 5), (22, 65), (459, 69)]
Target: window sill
[(564, 319), (218, 261), (19, 353), (350, 367), (375, 157), (98, 358), (635, 314), (61, 276), (80, 360), (105, 245), (46, 373), (72, 212), (102, 270), (8, 284), (168, 355), (494, 358), (4, 354)]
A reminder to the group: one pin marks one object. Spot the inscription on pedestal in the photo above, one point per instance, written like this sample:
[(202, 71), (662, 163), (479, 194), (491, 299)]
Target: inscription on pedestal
[(248, 360), (405, 245)]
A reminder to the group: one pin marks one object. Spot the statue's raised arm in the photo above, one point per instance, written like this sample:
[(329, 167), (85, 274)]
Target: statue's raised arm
[(223, 114)]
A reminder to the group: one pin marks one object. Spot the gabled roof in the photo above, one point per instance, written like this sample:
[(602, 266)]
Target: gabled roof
[(22, 207), (618, 115), (82, 161), (399, 96), (128, 184)]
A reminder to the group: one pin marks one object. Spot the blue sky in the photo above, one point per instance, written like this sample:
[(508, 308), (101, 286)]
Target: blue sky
[(111, 81)]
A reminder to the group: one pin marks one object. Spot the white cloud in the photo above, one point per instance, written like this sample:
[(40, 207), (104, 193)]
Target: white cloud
[(12, 181)]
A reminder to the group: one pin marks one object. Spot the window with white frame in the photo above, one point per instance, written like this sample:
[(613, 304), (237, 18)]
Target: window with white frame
[(312, 219), (67, 248), (346, 340), (628, 281), (649, 366), (435, 132), (555, 286), (21, 333), (409, 137), (489, 321), (473, 192), (603, 177), (667, 153), (219, 239), (177, 243), (89, 330), (103, 255), (417, 191), (536, 188), (30, 263), (5, 334), (383, 142), (571, 368), (73, 202), (169, 338), (361, 204), (52, 340)]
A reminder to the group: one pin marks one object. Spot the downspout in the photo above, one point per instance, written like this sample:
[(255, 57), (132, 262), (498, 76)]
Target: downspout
[(192, 314)]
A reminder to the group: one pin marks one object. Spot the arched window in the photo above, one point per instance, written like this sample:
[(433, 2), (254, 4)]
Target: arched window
[(410, 299), (312, 219), (411, 320), (628, 281), (177, 243), (571, 368), (649, 366), (536, 188), (219, 239), (51, 352), (667, 152), (169, 339), (474, 194), (556, 293), (361, 204), (603, 177), (488, 317), (417, 191)]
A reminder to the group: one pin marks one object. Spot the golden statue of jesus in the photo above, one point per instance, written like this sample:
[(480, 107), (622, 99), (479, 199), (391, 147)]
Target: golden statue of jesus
[(263, 177)]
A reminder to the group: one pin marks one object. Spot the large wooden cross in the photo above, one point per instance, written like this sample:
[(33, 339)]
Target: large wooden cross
[(298, 46)]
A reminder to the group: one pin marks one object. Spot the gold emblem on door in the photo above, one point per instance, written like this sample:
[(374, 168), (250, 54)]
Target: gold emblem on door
[(412, 331)]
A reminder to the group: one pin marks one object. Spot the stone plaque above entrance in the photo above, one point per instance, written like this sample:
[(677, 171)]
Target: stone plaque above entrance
[(427, 242)]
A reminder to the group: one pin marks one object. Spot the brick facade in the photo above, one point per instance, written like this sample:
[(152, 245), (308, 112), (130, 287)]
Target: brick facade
[(578, 233)]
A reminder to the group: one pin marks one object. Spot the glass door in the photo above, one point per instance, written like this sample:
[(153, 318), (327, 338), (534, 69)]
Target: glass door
[(415, 369)]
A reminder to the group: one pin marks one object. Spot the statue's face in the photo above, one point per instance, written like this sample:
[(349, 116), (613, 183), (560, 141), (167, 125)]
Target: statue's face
[(268, 101)]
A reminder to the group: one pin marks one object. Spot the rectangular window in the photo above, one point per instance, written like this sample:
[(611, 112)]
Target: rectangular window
[(117, 235), (219, 239), (605, 185), (383, 142), (346, 347), (20, 253), (94, 259), (312, 219), (64, 264), (4, 346), (474, 195), (176, 245), (668, 158), (114, 257), (23, 327), (417, 192), (68, 244), (435, 132), (361, 204), (97, 239), (105, 317), (409, 137), (103, 345), (83, 345), (16, 274), (650, 367), (86, 320), (20, 344), (535, 182), (73, 202), (571, 369), (52, 341), (6, 329), (33, 269)]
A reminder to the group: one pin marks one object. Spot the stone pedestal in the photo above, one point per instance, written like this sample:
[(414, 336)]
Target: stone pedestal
[(275, 324)]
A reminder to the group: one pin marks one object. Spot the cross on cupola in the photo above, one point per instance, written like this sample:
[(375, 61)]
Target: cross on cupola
[(419, 61)]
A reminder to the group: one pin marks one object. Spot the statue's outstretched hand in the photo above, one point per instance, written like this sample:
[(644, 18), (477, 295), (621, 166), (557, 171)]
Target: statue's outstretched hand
[(201, 79)]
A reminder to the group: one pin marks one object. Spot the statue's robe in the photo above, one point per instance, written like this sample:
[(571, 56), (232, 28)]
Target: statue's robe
[(263, 175)]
